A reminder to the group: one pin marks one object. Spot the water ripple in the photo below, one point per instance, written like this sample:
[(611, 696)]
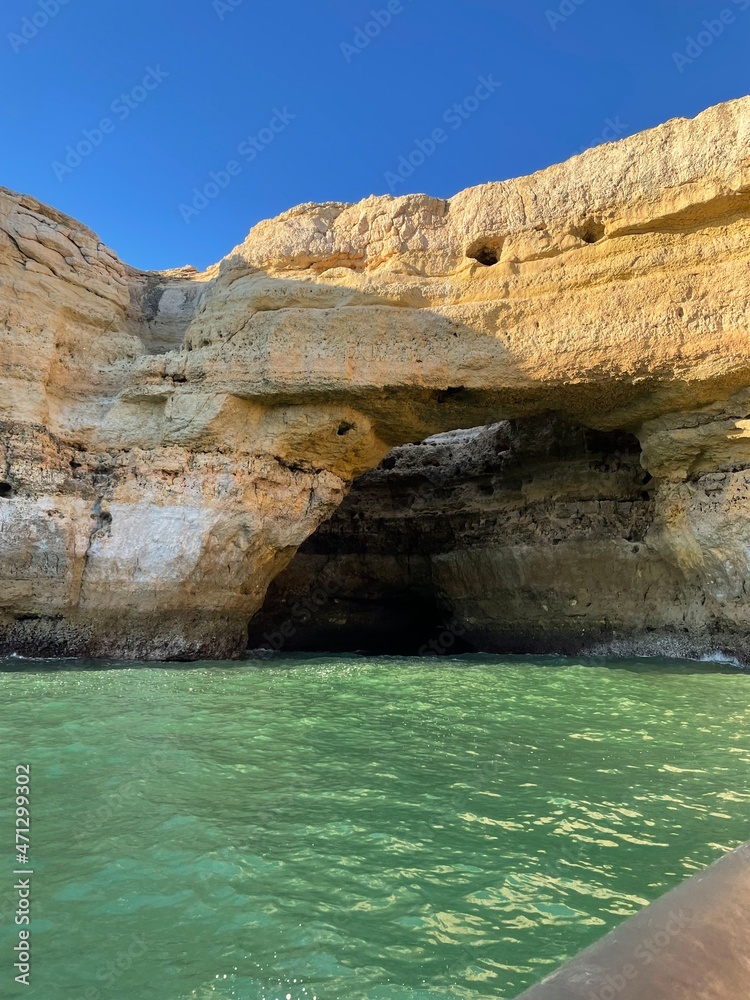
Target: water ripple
[(334, 828)]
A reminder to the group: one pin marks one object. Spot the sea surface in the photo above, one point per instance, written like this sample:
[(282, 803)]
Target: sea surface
[(343, 828)]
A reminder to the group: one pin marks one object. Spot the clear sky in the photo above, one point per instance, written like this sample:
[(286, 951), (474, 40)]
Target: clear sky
[(117, 112)]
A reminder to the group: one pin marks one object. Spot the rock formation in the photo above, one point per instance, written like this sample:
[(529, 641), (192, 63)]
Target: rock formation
[(169, 440), (528, 536)]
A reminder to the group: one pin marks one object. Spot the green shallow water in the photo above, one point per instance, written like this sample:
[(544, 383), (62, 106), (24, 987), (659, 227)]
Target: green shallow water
[(344, 828)]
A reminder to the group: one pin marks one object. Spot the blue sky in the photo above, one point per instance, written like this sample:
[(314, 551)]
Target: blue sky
[(286, 103)]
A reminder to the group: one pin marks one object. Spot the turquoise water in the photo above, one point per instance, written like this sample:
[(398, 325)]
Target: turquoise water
[(343, 829)]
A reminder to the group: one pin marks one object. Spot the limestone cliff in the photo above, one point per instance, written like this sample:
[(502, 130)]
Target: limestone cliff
[(169, 440)]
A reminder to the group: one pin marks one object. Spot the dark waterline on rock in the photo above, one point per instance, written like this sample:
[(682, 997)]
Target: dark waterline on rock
[(340, 827)]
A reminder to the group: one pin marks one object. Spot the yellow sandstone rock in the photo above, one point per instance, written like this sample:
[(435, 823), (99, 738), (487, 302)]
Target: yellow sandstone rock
[(168, 440)]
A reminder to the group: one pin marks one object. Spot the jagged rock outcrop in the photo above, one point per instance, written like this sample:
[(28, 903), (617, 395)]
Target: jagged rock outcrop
[(168, 441)]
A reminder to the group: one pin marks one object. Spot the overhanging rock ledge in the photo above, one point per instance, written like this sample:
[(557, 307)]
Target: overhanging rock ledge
[(168, 440)]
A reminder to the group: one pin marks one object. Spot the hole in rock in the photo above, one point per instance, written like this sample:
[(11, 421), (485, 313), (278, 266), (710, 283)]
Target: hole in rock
[(344, 428), (6, 490), (485, 250), (591, 231), (486, 255), (102, 519)]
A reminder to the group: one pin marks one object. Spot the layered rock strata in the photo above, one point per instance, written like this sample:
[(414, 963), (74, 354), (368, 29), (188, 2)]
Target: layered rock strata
[(529, 536), (169, 440)]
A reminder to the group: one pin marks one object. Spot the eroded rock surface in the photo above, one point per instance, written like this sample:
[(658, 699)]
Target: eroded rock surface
[(526, 536), (169, 440)]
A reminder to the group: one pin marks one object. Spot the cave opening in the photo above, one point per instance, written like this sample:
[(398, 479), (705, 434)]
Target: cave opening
[(486, 250), (6, 491), (591, 231), (486, 256), (515, 537)]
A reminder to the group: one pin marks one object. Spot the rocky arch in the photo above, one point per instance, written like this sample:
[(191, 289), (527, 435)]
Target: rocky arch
[(170, 440)]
